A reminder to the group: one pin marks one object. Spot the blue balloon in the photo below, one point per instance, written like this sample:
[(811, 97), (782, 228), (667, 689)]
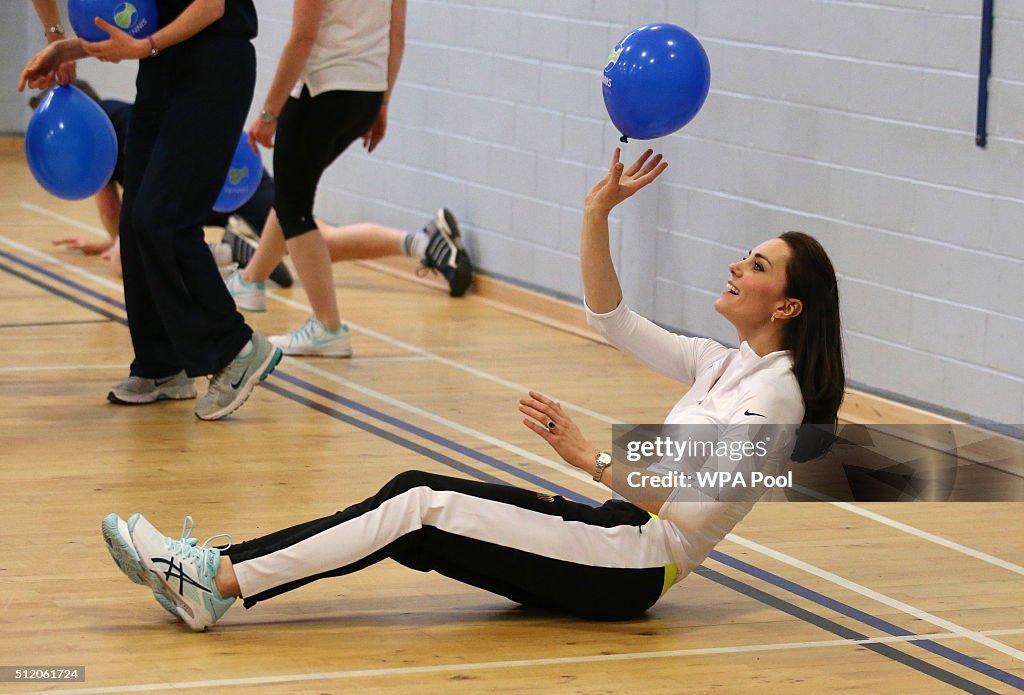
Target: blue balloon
[(656, 80), (138, 17), (243, 178), (70, 144)]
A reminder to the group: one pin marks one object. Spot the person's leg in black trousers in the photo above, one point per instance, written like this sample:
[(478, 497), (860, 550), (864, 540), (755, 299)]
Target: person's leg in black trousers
[(182, 136)]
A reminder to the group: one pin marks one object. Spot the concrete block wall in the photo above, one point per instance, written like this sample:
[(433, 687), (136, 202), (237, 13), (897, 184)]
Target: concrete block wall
[(853, 121)]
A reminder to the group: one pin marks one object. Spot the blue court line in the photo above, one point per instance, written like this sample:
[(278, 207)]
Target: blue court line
[(54, 290), (47, 324), (954, 655), (99, 296), (436, 439), (378, 432), (888, 651), (868, 619)]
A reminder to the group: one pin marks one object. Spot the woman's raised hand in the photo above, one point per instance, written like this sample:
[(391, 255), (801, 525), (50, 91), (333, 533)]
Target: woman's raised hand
[(620, 183)]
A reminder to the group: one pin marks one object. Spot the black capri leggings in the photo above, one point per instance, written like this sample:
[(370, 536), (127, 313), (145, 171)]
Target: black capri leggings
[(311, 133), (536, 549)]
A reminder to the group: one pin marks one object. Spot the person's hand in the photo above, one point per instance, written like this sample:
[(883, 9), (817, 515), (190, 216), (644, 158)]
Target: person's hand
[(67, 73), (261, 133), (113, 255), (42, 70), (90, 247), (120, 46), (620, 183), (547, 419), (375, 134)]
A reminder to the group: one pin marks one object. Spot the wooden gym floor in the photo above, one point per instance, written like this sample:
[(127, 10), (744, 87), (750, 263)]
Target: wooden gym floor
[(803, 598)]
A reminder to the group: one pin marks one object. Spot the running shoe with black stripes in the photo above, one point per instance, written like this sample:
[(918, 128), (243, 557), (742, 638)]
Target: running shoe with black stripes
[(243, 240), (446, 254)]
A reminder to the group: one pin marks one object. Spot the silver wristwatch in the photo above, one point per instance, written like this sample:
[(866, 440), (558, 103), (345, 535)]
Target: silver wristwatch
[(603, 460), (268, 117)]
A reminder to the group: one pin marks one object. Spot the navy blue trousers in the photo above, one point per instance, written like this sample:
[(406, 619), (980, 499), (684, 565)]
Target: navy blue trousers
[(191, 106)]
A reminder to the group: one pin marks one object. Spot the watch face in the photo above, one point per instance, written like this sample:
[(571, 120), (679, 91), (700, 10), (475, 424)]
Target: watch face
[(604, 458)]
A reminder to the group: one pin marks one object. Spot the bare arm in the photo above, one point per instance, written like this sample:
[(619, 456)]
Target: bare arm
[(108, 202), (47, 11), (49, 15), (600, 283), (306, 15), (396, 50)]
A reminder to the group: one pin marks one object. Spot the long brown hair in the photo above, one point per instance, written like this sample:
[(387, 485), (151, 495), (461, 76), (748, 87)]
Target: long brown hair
[(816, 341)]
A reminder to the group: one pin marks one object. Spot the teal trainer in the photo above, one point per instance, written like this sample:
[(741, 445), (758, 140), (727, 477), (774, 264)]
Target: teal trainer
[(137, 390), (314, 339), (118, 535), (183, 572), (231, 386)]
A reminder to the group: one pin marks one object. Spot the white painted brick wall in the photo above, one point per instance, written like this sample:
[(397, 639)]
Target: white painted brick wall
[(853, 121)]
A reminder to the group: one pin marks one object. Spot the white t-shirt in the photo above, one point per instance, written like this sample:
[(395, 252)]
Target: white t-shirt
[(351, 48), (730, 387)]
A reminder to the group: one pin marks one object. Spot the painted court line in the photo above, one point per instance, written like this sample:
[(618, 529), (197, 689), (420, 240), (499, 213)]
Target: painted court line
[(443, 421), (518, 663), (49, 258), (963, 632), (479, 373), (58, 367), (931, 537)]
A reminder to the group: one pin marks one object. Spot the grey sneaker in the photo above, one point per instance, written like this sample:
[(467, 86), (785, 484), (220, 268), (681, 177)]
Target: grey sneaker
[(250, 296), (243, 240), (446, 254), (315, 339), (231, 386), (180, 573), (137, 390)]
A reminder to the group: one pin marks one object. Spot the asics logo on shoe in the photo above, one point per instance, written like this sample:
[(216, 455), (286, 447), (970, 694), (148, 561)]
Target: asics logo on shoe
[(175, 572)]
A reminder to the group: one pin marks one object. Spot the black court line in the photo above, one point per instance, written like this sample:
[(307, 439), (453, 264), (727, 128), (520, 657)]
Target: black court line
[(45, 324), (401, 441)]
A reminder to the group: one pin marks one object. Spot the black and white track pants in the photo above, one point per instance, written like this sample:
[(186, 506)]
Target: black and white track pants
[(536, 549)]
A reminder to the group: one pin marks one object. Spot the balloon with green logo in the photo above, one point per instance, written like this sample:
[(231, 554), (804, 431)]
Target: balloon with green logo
[(137, 17), (243, 178), (655, 81)]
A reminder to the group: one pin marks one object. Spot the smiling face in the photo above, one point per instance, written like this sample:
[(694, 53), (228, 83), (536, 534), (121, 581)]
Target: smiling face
[(756, 289)]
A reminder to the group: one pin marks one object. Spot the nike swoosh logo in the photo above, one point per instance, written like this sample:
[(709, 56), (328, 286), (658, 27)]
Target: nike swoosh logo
[(161, 382), (748, 413), (241, 378)]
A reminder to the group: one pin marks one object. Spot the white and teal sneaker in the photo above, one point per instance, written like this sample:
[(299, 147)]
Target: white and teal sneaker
[(315, 339), (249, 296), (179, 572), (118, 536)]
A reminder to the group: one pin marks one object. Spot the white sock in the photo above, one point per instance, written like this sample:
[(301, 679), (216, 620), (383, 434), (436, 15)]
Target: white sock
[(414, 244)]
